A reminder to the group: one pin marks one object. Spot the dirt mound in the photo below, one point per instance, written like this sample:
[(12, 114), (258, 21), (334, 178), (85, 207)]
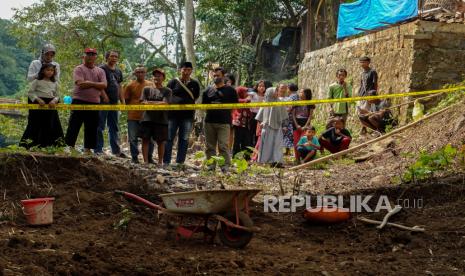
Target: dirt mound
[(388, 159), (81, 186), (98, 233)]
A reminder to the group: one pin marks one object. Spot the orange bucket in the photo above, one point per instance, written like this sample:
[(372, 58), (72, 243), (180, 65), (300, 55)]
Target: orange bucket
[(38, 211), (327, 215)]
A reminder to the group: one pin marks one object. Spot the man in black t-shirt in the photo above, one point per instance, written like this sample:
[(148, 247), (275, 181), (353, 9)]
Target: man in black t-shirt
[(335, 139), (154, 123), (185, 91), (368, 82), (218, 122), (110, 117)]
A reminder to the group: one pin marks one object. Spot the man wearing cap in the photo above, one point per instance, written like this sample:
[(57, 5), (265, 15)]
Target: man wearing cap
[(368, 82), (185, 91), (132, 95), (114, 78), (89, 85), (46, 56), (154, 123)]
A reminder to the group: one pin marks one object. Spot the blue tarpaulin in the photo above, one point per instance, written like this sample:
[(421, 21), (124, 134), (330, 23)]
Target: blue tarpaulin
[(368, 15)]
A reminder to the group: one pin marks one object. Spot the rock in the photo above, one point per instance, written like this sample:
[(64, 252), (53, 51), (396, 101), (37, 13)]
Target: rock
[(379, 180), (160, 179)]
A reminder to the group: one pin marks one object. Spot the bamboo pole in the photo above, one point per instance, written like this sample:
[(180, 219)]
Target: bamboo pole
[(350, 150)]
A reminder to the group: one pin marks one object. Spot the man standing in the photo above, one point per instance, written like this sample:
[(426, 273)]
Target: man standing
[(132, 95), (185, 91), (154, 123), (368, 82), (338, 90), (90, 83), (114, 92), (47, 54), (218, 122)]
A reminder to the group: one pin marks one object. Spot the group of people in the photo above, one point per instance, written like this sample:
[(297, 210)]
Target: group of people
[(272, 131)]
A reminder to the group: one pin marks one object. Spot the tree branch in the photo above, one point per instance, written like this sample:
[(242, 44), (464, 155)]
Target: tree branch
[(158, 50)]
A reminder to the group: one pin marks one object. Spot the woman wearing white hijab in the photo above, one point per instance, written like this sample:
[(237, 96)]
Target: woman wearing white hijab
[(271, 120), (46, 56)]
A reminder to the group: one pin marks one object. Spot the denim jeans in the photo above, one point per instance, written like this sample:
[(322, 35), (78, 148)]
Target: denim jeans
[(185, 127), (110, 118), (133, 131)]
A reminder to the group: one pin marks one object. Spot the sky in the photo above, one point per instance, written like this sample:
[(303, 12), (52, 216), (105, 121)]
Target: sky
[(7, 5)]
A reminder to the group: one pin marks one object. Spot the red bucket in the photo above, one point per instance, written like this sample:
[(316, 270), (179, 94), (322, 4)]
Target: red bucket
[(38, 211)]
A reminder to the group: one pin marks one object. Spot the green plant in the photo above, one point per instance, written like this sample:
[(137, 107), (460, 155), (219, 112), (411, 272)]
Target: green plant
[(218, 160), (450, 98), (123, 223), (240, 163), (344, 161), (326, 174), (429, 163)]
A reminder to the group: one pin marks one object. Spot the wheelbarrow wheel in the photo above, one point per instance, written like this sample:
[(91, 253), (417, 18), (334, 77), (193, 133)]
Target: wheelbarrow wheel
[(234, 237)]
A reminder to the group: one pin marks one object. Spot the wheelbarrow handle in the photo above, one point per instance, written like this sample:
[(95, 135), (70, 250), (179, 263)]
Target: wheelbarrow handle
[(139, 199)]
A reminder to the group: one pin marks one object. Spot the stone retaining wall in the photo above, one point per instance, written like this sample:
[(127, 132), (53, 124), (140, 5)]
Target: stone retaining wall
[(415, 56)]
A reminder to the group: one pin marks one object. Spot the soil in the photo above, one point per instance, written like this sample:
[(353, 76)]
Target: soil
[(83, 239)]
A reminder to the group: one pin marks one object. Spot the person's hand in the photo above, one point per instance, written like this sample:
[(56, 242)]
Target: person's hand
[(40, 101), (83, 84), (284, 128), (105, 98), (53, 103), (299, 127)]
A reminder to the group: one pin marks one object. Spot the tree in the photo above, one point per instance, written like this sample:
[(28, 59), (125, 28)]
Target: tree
[(189, 34), (14, 62), (73, 25), (232, 32)]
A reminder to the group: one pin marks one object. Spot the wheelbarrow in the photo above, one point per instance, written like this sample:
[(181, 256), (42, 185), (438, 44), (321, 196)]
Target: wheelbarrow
[(228, 208)]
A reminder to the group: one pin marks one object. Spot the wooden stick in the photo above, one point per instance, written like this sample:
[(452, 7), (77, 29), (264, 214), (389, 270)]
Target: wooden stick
[(394, 211), (377, 222), (344, 152)]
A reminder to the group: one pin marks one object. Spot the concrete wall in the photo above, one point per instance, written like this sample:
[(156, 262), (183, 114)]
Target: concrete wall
[(439, 55), (415, 56)]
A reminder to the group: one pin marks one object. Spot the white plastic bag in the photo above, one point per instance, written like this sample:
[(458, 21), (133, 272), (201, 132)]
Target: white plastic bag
[(418, 111)]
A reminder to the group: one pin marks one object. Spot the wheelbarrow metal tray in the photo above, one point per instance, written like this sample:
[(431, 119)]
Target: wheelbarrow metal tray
[(207, 201)]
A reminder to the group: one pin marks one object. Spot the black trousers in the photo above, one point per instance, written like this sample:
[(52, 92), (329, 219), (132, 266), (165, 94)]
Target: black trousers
[(43, 128), (90, 119), (253, 129), (242, 140)]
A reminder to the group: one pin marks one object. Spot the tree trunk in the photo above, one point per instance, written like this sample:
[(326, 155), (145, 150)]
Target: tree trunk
[(255, 41), (189, 32)]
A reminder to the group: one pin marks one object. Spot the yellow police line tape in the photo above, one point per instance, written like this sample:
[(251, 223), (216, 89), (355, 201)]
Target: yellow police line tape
[(141, 107)]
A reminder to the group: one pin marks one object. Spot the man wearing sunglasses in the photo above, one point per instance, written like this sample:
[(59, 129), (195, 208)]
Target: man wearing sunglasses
[(47, 55)]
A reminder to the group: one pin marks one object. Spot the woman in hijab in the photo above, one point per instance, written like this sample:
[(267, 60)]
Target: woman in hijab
[(271, 119), (46, 56)]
